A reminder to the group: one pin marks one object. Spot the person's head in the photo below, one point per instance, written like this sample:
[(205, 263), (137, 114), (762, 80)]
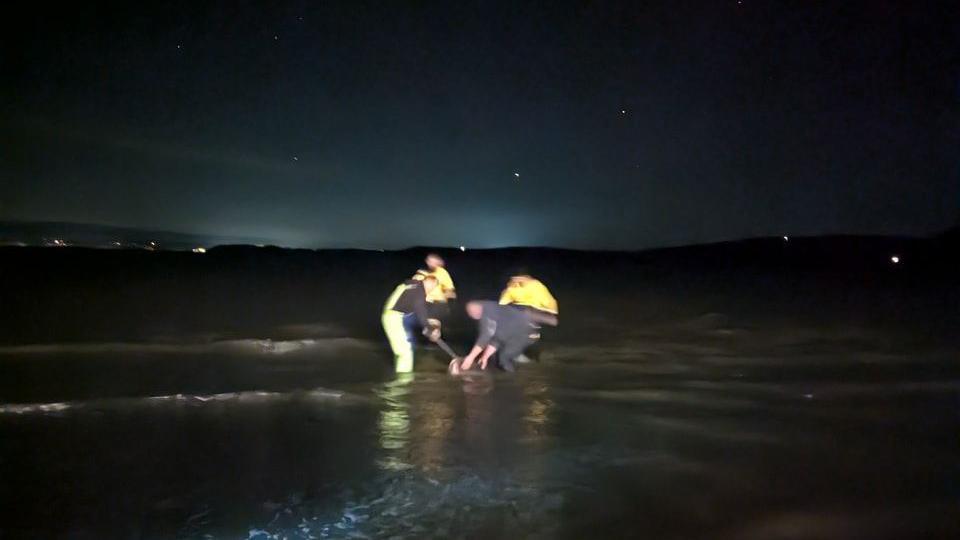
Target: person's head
[(520, 271), (434, 261), (518, 281), (429, 283), (474, 310), (518, 275)]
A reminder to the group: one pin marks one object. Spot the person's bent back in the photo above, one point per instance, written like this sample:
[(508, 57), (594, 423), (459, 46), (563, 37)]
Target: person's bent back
[(524, 290), (502, 330)]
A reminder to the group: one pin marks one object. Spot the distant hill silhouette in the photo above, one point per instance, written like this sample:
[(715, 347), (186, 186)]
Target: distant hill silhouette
[(93, 235), (953, 234), (830, 247)]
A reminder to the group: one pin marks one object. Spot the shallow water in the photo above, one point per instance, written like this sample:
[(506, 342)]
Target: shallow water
[(691, 430)]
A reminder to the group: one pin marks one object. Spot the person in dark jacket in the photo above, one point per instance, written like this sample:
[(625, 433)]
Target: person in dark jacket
[(502, 330), (409, 297)]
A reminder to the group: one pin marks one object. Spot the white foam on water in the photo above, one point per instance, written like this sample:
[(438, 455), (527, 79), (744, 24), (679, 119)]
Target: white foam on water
[(253, 396), (411, 504), (30, 408), (249, 346)]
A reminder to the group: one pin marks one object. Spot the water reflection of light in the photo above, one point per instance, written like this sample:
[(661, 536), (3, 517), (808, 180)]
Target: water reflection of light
[(538, 412), (414, 426), (432, 431), (394, 424)]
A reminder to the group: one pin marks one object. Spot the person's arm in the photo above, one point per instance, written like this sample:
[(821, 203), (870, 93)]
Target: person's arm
[(483, 352), (542, 317), (468, 360), (420, 308), (449, 289), (431, 329), (487, 327), (487, 353)]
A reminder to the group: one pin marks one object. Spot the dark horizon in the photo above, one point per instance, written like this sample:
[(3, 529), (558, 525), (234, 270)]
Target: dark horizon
[(186, 240), (484, 125)]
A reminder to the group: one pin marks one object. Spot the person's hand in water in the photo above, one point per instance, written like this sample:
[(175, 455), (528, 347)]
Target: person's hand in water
[(482, 353), (485, 357), (467, 362)]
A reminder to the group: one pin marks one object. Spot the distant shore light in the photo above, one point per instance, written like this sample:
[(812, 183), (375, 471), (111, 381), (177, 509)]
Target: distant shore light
[(199, 250), (895, 259), (462, 248), (786, 238)]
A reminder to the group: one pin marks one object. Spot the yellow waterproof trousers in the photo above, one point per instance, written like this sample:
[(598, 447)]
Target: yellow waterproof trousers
[(399, 341)]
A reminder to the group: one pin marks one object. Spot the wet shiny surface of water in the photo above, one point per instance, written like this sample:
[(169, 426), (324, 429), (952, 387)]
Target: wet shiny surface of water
[(709, 434)]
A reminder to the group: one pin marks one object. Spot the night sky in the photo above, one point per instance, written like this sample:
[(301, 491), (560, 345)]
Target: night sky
[(390, 124)]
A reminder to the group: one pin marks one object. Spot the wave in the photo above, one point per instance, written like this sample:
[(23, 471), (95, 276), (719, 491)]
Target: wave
[(252, 346), (248, 396)]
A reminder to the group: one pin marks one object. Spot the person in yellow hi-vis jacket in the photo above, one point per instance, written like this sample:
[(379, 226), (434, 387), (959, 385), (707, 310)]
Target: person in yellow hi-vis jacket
[(524, 290), (445, 290), (410, 297), (438, 299), (530, 294)]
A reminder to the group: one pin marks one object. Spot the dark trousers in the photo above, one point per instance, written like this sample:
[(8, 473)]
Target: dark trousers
[(508, 351)]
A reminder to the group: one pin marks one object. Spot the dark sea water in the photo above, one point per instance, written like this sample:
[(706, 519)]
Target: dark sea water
[(672, 427), (807, 389)]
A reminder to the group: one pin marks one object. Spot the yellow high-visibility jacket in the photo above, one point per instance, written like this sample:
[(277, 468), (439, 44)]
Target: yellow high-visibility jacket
[(527, 291), (444, 290)]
